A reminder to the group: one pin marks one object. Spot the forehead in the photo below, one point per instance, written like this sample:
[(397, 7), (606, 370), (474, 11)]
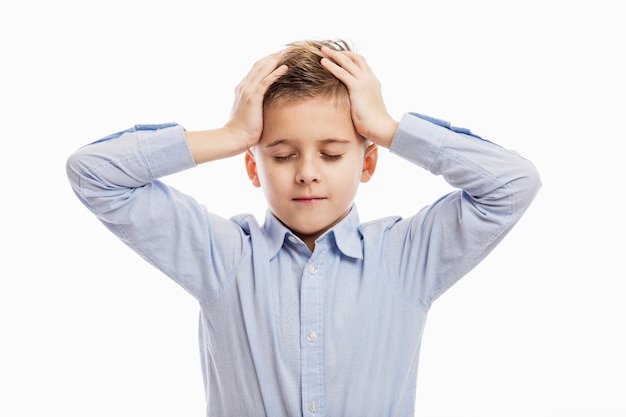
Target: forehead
[(310, 120)]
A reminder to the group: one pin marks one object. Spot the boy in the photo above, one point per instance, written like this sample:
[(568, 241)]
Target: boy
[(312, 313)]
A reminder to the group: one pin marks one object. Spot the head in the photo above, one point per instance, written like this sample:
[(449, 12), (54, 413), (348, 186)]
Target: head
[(310, 159)]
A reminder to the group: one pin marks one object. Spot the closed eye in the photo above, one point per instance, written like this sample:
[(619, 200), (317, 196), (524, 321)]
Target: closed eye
[(331, 157), (283, 158), (327, 156)]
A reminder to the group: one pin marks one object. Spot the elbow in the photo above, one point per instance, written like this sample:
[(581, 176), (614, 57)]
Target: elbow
[(77, 169), (527, 186), (533, 179), (73, 169), (78, 165)]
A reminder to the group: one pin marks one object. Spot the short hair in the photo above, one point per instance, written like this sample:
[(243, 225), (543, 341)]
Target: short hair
[(306, 78)]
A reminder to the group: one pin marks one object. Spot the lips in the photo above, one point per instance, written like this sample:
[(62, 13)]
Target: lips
[(308, 199)]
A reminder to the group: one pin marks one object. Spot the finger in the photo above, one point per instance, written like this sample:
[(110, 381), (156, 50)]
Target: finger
[(261, 69), (338, 71), (273, 76), (348, 60)]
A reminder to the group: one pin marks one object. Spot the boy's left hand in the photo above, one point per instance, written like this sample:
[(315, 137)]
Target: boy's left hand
[(369, 114)]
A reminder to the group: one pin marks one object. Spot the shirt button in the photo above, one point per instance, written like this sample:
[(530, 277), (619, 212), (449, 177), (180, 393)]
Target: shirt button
[(312, 269), (313, 407), (293, 239), (311, 337)]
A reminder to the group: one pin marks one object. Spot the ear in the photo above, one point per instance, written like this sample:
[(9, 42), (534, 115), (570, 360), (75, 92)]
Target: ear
[(369, 162), (251, 168)]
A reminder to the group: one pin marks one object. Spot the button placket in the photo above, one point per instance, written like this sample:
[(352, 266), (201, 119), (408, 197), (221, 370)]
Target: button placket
[(311, 318)]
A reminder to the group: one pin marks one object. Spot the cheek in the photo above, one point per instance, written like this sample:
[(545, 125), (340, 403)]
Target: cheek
[(351, 172), (273, 179)]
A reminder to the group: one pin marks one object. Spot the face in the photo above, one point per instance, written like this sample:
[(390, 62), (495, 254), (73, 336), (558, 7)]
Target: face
[(309, 163)]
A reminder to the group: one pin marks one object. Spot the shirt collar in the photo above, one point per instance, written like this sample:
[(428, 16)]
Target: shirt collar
[(345, 234)]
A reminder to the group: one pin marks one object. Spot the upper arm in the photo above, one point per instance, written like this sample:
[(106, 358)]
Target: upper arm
[(117, 179)]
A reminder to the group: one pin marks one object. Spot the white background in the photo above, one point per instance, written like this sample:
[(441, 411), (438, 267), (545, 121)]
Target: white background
[(88, 329)]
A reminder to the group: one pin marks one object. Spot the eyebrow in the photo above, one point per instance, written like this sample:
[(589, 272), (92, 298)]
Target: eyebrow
[(322, 141)]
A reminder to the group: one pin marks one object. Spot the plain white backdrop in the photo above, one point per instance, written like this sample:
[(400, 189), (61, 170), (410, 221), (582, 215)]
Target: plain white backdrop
[(88, 329)]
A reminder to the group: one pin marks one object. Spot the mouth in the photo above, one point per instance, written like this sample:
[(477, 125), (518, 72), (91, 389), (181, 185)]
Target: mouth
[(308, 199)]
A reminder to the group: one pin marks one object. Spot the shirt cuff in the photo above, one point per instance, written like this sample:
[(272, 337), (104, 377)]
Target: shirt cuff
[(417, 140), (164, 148)]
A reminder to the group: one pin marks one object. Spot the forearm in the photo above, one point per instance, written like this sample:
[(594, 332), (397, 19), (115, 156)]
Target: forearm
[(210, 145), (104, 173), (485, 171)]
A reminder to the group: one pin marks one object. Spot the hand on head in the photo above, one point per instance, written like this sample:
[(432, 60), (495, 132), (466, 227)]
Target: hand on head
[(369, 114), (246, 117)]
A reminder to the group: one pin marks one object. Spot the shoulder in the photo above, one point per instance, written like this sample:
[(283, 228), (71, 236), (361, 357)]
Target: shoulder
[(373, 228), (247, 222)]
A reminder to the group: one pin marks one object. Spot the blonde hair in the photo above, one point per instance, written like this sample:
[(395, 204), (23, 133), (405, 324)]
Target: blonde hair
[(305, 77)]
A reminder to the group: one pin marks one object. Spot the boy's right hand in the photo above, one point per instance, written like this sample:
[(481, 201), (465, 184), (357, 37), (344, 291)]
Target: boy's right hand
[(245, 125), (246, 117)]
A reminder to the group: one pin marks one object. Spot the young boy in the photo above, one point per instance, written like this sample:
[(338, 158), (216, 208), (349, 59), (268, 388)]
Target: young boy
[(312, 313)]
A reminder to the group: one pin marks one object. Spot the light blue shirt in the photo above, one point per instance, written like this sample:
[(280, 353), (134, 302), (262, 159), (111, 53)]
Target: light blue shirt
[(285, 332)]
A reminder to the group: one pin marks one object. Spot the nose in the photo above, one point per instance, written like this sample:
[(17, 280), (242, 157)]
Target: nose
[(307, 171)]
